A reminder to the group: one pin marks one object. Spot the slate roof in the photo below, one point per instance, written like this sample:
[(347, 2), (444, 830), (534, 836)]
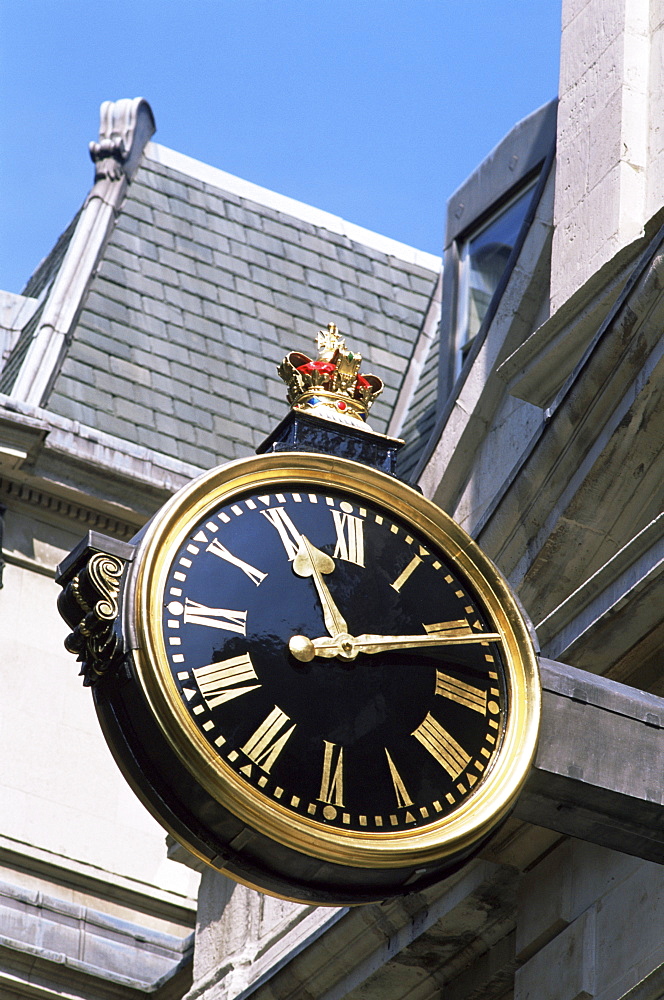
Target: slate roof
[(205, 283)]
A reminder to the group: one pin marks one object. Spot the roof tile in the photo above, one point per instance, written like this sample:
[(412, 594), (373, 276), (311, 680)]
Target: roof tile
[(199, 295)]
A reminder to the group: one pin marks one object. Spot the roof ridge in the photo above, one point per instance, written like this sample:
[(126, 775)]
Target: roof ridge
[(289, 206)]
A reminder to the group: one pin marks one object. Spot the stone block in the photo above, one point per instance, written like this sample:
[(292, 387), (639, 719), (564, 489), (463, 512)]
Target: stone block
[(299, 255), (288, 268), (192, 415), (423, 286), (274, 316), (319, 279), (111, 309), (213, 275), (153, 286), (630, 924), (212, 236), (199, 324), (157, 441), (280, 230), (174, 261), (228, 262), (392, 274), (220, 313), (117, 255), (129, 371), (247, 218), (564, 969), (340, 309), (358, 261), (194, 214), (568, 881), (162, 310), (193, 250), (262, 289), (295, 306), (194, 342), (139, 210), (150, 196), (173, 188), (240, 304), (127, 409), (268, 244), (343, 272), (198, 287), (249, 253), (181, 299), (321, 243)]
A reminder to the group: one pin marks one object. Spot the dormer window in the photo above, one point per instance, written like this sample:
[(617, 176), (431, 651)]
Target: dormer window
[(483, 256)]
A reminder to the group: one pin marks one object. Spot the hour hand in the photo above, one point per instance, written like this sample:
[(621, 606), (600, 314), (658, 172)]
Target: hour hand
[(310, 561)]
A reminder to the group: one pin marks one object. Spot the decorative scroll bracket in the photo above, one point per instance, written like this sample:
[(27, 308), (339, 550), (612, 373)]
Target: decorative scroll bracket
[(91, 577)]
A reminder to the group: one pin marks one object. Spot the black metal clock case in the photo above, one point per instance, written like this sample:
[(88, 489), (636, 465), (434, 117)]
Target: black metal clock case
[(318, 683)]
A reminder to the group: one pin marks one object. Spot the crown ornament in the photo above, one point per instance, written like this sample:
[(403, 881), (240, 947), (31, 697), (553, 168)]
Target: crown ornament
[(331, 385)]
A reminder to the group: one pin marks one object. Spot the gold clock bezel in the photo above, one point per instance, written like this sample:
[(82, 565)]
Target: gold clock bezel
[(480, 812)]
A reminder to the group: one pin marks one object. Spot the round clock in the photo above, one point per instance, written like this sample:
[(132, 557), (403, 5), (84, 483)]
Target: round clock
[(333, 696)]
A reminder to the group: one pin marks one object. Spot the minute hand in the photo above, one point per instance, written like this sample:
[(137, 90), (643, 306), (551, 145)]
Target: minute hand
[(349, 646)]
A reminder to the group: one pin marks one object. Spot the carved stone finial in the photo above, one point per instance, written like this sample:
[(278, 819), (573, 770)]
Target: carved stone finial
[(124, 128)]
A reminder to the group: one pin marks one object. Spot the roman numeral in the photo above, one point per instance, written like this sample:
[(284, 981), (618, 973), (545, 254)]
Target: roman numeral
[(220, 550), (229, 621), (225, 680), (269, 739), (463, 694), (332, 782), (403, 798), (350, 537), (288, 533), (442, 746)]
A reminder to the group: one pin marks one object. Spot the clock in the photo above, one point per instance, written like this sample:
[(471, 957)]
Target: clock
[(331, 695)]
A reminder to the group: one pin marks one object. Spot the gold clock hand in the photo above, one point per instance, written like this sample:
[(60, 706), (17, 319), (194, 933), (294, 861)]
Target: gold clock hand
[(310, 561), (347, 646)]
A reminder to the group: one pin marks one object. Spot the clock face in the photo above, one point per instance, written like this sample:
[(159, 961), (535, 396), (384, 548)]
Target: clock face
[(368, 738), (338, 667)]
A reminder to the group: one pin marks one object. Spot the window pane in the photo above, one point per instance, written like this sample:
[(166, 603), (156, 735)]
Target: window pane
[(482, 260)]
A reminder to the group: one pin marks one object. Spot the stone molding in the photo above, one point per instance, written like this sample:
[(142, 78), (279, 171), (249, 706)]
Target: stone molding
[(635, 566), (538, 369), (53, 869), (15, 493), (65, 460)]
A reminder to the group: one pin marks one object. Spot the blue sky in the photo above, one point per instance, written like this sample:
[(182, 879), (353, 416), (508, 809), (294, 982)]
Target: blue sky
[(375, 110)]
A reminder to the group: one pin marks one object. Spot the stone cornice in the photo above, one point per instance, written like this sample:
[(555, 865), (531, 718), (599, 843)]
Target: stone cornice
[(80, 474)]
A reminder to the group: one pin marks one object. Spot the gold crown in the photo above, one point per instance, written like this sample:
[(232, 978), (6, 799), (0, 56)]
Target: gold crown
[(331, 385)]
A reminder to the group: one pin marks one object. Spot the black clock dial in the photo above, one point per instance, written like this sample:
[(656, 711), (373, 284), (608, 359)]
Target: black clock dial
[(279, 614)]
